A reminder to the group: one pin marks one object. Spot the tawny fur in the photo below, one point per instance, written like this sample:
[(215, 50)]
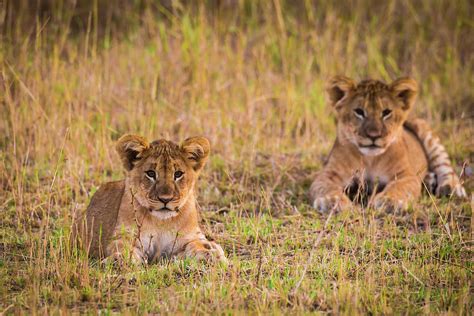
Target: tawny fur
[(153, 211), (377, 149)]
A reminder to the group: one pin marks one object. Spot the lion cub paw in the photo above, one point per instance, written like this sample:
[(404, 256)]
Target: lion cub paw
[(389, 204), (453, 188), (206, 250), (449, 185), (329, 202)]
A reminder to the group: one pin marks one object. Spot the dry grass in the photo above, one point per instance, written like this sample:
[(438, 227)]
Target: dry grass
[(249, 75)]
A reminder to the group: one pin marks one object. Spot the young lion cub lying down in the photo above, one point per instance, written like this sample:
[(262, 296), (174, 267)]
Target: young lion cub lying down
[(377, 151), (154, 208)]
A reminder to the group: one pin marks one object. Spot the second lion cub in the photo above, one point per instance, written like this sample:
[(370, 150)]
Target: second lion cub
[(377, 151)]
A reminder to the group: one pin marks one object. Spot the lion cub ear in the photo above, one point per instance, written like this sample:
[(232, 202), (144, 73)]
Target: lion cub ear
[(337, 88), (406, 90), (130, 149), (196, 150)]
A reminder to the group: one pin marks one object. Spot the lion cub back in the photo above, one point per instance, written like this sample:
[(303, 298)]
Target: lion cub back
[(417, 157), (96, 230)]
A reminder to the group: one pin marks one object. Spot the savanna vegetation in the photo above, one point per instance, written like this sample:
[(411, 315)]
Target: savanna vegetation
[(249, 75)]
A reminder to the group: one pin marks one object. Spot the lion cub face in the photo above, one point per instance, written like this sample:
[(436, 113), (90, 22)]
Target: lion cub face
[(371, 113), (162, 174)]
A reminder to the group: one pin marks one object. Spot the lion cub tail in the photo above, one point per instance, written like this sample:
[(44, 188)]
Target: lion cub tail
[(441, 170)]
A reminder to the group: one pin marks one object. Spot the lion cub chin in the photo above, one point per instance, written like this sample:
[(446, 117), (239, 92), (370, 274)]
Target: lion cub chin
[(153, 211), (379, 157)]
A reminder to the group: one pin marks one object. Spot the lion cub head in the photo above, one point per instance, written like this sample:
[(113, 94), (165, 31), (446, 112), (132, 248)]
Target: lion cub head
[(371, 113), (162, 174)]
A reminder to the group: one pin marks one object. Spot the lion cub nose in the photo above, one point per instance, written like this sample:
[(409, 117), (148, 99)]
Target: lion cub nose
[(165, 198), (374, 134)]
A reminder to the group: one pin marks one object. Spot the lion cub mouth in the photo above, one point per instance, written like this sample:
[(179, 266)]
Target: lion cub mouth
[(163, 209), (371, 146)]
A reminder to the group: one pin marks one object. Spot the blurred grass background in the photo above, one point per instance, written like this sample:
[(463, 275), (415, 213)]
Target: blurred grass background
[(249, 75)]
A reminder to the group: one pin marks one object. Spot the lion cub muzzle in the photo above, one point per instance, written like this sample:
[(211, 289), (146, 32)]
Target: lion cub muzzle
[(164, 198)]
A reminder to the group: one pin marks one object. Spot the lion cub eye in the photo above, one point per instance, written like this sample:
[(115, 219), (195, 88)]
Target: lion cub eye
[(386, 113), (359, 113), (151, 174), (178, 174)]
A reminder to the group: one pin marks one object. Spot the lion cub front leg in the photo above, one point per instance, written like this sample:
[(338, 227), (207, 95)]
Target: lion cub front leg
[(116, 251), (398, 193), (327, 192), (201, 248)]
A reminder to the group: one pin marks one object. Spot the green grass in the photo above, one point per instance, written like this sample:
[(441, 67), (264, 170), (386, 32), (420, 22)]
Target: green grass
[(250, 76)]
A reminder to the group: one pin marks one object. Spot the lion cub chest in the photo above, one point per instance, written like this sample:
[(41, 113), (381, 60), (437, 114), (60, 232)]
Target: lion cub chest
[(149, 240), (153, 245), (372, 176), (365, 183)]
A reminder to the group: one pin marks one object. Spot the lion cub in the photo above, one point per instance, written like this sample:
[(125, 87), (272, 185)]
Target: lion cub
[(154, 208), (377, 151)]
